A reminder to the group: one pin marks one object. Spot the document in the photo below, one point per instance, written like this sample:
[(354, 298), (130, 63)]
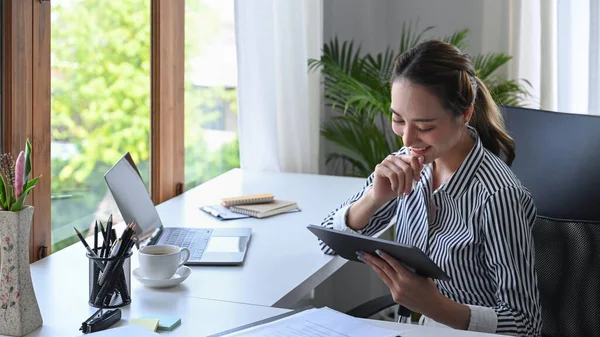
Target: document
[(322, 322)]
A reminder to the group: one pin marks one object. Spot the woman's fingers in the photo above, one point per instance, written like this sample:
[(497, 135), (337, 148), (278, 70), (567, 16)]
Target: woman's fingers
[(401, 171), (378, 266), (416, 163), (386, 171), (403, 162), (399, 175)]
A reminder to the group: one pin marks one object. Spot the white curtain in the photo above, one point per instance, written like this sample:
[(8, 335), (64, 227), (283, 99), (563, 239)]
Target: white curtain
[(279, 102), (555, 45)]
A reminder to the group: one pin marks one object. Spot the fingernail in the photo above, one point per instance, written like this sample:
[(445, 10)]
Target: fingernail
[(421, 160), (360, 258), (360, 254), (379, 252)]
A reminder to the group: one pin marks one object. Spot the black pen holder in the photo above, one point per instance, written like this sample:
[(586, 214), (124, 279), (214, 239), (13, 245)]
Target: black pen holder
[(109, 281)]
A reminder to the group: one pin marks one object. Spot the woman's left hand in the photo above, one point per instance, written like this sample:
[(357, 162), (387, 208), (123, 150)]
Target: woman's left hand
[(415, 292)]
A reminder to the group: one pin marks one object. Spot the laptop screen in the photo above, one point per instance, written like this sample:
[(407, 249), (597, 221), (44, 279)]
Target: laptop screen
[(132, 198)]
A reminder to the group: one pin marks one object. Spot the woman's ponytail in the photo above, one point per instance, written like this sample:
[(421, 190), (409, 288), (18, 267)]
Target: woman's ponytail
[(489, 123)]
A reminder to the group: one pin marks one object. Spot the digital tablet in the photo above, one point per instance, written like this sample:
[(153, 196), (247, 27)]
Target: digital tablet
[(347, 244)]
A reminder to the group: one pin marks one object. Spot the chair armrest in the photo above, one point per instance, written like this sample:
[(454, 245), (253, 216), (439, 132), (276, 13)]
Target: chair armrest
[(372, 307)]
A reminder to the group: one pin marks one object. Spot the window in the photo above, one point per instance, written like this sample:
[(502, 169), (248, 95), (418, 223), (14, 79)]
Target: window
[(100, 106), (85, 92), (211, 145)]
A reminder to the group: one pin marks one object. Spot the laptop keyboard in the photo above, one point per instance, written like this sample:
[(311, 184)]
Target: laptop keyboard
[(193, 239)]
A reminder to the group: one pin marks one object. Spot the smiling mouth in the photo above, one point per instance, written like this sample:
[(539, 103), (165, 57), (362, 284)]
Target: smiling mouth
[(420, 150)]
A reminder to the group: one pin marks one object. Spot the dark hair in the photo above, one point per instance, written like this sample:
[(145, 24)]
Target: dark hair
[(449, 74)]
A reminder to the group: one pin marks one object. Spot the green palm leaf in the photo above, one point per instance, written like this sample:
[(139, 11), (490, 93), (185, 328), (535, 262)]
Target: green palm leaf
[(359, 139), (486, 65), (509, 92), (458, 39), (357, 87), (408, 38)]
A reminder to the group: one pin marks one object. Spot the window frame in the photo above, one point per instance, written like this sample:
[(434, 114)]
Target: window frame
[(26, 84)]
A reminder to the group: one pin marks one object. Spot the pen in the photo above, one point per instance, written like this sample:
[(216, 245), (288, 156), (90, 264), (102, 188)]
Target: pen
[(111, 265), (89, 250), (108, 235), (103, 238), (116, 248), (96, 237), (211, 211)]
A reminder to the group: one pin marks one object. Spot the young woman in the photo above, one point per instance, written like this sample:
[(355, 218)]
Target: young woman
[(453, 197)]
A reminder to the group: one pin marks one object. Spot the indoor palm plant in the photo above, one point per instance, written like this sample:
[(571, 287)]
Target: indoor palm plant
[(357, 87), (19, 310)]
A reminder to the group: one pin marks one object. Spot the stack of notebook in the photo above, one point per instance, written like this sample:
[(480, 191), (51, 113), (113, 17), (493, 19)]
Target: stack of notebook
[(259, 205)]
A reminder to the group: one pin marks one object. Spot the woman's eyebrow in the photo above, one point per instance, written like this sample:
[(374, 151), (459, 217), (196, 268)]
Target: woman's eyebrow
[(421, 120)]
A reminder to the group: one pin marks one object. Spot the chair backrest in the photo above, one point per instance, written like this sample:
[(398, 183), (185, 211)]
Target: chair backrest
[(558, 159), (567, 255)]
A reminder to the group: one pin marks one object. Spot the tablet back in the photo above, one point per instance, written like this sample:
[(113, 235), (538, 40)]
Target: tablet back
[(347, 244)]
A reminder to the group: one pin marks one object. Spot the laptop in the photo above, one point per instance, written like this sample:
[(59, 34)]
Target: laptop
[(208, 246)]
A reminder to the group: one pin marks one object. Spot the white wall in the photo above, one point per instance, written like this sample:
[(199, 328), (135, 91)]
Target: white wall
[(482, 18), (378, 23)]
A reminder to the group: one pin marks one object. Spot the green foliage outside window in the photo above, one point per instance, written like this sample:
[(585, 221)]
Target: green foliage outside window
[(101, 102)]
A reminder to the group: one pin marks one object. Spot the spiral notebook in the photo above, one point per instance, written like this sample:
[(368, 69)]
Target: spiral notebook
[(266, 209), (247, 199)]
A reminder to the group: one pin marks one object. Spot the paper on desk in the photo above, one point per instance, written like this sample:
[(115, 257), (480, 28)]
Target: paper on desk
[(322, 322), (125, 331)]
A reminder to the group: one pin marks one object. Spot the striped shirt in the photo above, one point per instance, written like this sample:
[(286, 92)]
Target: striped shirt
[(478, 230)]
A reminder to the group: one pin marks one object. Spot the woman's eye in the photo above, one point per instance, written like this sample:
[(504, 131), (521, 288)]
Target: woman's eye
[(397, 121), (424, 130)]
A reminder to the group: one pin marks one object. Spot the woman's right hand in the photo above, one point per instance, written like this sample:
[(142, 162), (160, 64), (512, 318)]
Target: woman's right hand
[(394, 177)]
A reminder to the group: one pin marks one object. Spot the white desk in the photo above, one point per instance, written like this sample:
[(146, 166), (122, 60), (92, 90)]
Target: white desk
[(283, 263)]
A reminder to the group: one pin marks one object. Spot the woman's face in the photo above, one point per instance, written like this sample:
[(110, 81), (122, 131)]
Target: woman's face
[(424, 125)]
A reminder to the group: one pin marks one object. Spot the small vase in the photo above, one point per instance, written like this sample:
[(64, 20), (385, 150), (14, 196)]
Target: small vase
[(19, 310)]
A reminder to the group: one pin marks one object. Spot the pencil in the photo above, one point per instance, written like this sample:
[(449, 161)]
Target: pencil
[(108, 235), (96, 237), (89, 250)]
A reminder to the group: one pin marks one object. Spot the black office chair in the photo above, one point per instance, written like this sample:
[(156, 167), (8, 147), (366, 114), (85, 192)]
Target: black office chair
[(558, 159), (567, 255)]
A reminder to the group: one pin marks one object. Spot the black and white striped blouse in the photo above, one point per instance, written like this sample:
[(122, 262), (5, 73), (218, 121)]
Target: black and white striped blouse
[(478, 231)]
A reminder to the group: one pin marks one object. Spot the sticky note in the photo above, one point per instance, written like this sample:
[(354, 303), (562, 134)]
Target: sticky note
[(165, 323), (148, 323)]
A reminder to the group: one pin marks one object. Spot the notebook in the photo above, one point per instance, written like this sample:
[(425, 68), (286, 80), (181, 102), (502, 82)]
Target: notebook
[(248, 199), (265, 210)]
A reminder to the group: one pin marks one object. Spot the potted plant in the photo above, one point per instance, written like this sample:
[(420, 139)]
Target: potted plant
[(19, 310), (357, 87)]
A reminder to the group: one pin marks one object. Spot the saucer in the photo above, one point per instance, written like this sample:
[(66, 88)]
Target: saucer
[(180, 275)]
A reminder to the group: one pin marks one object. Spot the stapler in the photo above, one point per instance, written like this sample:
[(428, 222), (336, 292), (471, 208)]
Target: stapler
[(101, 320)]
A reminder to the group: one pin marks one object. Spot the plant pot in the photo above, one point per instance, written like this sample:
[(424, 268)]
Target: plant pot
[(19, 310)]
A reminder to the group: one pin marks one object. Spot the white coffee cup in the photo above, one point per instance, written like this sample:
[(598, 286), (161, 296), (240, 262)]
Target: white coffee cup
[(160, 262)]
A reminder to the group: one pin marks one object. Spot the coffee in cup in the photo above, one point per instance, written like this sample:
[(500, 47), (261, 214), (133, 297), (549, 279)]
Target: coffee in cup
[(160, 262)]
